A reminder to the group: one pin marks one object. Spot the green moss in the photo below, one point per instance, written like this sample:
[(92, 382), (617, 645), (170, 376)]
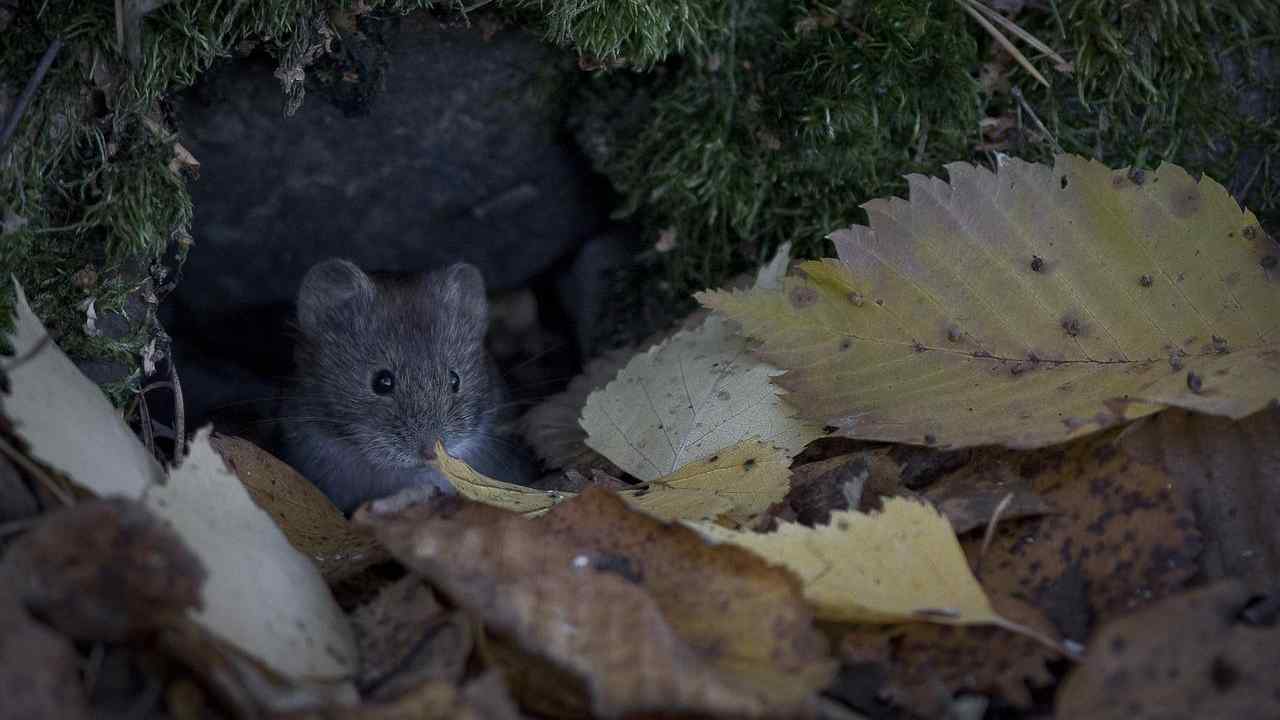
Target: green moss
[(788, 120), (1148, 87), (634, 32)]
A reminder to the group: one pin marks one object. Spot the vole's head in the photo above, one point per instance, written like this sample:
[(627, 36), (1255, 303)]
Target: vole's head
[(390, 366)]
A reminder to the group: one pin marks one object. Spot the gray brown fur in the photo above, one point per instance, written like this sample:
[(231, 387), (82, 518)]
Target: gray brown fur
[(357, 445)]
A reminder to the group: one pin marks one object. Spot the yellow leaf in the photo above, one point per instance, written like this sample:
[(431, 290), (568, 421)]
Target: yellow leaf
[(476, 486), (901, 564), (737, 484), (1027, 307)]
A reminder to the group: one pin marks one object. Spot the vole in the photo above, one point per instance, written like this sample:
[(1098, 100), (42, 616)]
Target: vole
[(385, 365)]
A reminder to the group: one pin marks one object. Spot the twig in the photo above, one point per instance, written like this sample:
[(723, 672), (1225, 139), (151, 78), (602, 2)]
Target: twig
[(1022, 103), (1004, 42), (991, 527), (29, 92), (36, 472), (179, 414), (1026, 37), (144, 420)]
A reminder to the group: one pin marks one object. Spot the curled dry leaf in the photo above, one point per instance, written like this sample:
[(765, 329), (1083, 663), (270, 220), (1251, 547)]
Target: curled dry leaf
[(1122, 536), (1185, 657), (901, 564), (689, 398), (927, 665), (52, 401), (735, 485), (636, 615), (104, 571), (306, 517), (1227, 470), (407, 638), (262, 595), (1027, 307)]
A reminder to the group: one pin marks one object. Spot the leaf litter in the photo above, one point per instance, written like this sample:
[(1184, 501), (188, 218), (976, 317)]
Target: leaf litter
[(591, 602)]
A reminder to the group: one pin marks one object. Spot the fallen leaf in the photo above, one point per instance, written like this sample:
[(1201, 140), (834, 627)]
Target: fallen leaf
[(926, 666), (901, 564), (485, 698), (1120, 539), (474, 485), (104, 571), (308, 519), (853, 481), (407, 638), (1229, 472), (686, 399), (1185, 657), (39, 668), (1027, 307), (971, 501), (52, 401), (635, 615), (737, 484), (261, 595)]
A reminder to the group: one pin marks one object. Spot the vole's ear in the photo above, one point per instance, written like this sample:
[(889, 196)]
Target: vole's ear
[(328, 286), (462, 286)]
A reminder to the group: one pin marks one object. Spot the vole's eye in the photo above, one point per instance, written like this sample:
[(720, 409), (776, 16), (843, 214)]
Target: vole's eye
[(384, 382), (454, 381)]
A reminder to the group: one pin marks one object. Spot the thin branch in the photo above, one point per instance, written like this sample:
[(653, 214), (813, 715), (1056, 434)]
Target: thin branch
[(29, 92)]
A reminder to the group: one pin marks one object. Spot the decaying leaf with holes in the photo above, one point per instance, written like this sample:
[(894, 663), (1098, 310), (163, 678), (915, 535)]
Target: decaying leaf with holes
[(1188, 656), (1229, 471), (1027, 307), (628, 614), (901, 564), (926, 665), (306, 517), (734, 485), (1120, 537)]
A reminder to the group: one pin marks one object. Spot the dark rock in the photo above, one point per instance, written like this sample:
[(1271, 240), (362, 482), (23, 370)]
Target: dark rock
[(449, 146)]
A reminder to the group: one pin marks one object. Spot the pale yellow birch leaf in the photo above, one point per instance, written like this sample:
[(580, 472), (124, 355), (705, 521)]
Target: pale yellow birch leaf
[(1027, 307)]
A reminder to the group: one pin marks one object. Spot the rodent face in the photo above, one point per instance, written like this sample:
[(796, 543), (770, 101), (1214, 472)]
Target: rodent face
[(388, 367)]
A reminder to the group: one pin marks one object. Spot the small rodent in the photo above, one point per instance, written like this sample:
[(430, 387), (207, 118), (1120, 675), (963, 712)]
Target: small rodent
[(385, 365)]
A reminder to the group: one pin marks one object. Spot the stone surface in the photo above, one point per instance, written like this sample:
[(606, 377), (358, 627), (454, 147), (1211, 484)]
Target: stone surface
[(459, 157), (418, 145)]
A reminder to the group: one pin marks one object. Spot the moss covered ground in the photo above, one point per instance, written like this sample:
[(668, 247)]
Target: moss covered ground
[(726, 126)]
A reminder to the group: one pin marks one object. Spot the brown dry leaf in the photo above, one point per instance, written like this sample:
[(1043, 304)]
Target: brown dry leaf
[(39, 668), (637, 615), (927, 665), (853, 481), (901, 564), (306, 517), (485, 698), (1121, 537), (1028, 307), (1185, 657), (104, 571), (971, 501), (1229, 471), (406, 638)]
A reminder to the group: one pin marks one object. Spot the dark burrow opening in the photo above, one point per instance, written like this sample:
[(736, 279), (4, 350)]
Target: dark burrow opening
[(420, 144)]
